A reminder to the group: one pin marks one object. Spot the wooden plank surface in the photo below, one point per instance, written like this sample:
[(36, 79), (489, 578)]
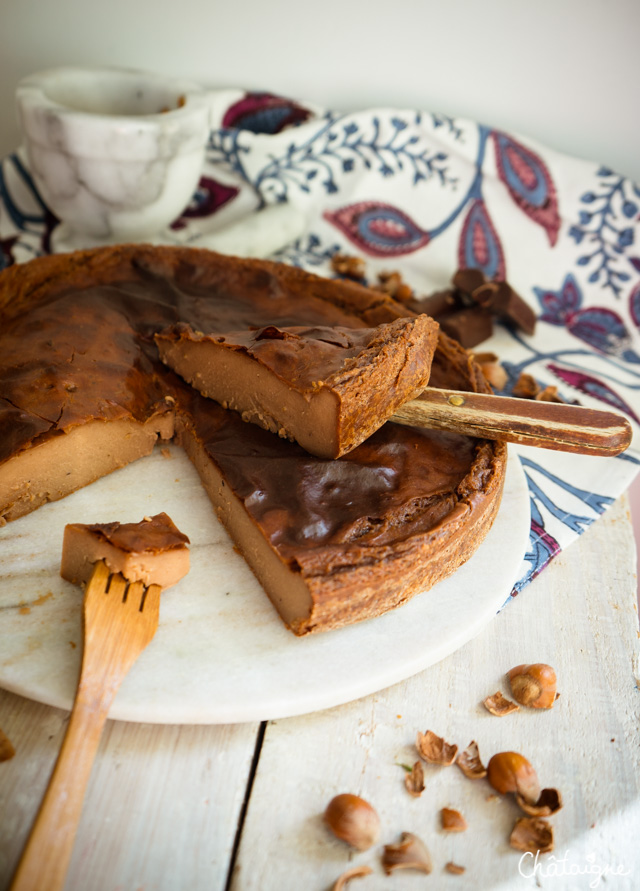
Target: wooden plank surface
[(580, 617), (161, 810), (164, 802)]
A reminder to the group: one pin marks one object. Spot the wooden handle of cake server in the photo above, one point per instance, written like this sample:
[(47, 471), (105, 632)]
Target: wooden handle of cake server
[(547, 425)]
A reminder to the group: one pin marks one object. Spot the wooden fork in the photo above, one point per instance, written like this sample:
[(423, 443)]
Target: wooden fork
[(120, 618)]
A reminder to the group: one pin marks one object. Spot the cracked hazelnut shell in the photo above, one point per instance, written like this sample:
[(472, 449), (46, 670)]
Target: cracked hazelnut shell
[(434, 749), (532, 834), (410, 853), (469, 762)]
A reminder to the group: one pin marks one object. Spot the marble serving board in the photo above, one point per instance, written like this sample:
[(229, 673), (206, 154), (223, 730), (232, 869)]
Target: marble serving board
[(221, 653)]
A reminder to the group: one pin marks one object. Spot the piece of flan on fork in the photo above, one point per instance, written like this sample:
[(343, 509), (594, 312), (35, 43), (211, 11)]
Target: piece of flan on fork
[(153, 551)]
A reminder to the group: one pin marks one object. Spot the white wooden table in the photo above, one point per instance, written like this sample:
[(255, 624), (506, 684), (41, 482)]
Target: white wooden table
[(215, 807)]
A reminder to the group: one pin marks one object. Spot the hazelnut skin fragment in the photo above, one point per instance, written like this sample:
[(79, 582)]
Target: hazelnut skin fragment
[(532, 834), (526, 387), (454, 868), (414, 780), (511, 772), (470, 764), (434, 749), (357, 872), (533, 685), (7, 750), (549, 803), (452, 820), (549, 394), (499, 705), (410, 853), (349, 266), (492, 370), (353, 820), (392, 283)]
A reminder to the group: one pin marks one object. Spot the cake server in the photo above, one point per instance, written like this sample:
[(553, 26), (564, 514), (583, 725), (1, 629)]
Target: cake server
[(547, 425)]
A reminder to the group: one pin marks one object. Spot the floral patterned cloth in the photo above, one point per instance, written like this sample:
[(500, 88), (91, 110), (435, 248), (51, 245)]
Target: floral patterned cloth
[(423, 193)]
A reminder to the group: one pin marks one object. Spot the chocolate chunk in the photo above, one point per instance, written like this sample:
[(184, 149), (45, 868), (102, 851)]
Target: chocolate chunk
[(469, 326), (467, 280), (485, 295), (497, 296), (465, 312), (507, 305), (436, 304)]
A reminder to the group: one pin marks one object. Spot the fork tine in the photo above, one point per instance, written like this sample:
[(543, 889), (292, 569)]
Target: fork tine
[(116, 586), (151, 597), (133, 594), (99, 580)]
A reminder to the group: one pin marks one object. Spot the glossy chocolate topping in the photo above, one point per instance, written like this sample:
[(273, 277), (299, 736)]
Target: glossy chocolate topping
[(153, 535), (400, 482), (80, 351)]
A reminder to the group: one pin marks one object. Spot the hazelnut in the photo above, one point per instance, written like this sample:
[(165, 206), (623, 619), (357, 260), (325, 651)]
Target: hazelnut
[(470, 764), (353, 820), (356, 872), (434, 749), (409, 853), (499, 705), (533, 685), (511, 772)]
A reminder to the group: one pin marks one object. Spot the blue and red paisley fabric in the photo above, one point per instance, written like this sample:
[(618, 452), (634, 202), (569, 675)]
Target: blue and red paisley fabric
[(428, 193)]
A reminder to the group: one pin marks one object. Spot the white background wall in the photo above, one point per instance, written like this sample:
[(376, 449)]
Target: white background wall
[(563, 71), (566, 72)]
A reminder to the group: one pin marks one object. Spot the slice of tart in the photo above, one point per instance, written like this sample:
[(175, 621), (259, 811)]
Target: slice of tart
[(153, 551), (327, 388), (337, 541)]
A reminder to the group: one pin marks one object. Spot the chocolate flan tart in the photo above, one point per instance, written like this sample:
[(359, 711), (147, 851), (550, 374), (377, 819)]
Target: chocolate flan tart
[(83, 391)]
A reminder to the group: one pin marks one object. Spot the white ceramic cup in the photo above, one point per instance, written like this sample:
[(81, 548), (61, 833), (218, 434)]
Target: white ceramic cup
[(116, 153)]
